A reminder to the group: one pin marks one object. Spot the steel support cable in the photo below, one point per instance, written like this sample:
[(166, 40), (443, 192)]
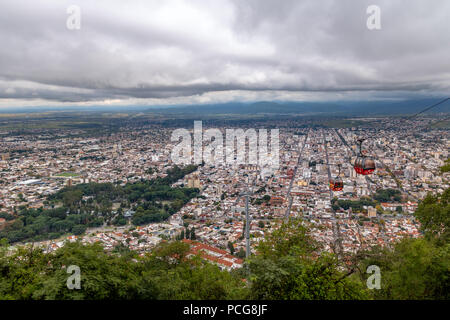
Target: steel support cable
[(392, 174), (336, 229), (428, 108), (382, 230), (288, 194), (368, 180), (425, 110)]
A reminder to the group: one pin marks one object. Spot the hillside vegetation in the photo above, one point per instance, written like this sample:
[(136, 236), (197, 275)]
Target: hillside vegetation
[(288, 266)]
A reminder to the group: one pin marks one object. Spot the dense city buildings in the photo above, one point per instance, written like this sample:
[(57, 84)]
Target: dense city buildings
[(408, 159)]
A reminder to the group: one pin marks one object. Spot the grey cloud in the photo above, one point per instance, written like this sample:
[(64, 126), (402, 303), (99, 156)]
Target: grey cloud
[(172, 49)]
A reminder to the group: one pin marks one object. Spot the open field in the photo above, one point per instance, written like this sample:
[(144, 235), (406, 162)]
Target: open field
[(67, 174)]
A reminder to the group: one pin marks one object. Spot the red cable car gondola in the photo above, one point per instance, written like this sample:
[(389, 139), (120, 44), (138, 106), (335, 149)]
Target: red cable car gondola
[(336, 184), (363, 164)]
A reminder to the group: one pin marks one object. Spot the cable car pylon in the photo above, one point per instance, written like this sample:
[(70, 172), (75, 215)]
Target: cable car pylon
[(336, 228), (247, 193)]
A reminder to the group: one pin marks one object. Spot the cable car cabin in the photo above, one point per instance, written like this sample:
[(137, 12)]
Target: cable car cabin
[(336, 184), (364, 165)]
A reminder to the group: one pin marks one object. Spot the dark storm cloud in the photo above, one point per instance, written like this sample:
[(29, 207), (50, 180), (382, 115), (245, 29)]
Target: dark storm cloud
[(199, 51)]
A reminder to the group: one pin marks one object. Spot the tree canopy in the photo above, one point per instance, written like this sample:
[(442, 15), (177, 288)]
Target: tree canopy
[(166, 273)]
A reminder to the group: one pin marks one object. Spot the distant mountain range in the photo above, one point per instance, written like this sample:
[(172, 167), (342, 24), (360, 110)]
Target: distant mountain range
[(332, 108)]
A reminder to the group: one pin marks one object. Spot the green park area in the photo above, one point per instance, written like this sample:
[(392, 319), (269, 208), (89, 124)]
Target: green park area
[(68, 174)]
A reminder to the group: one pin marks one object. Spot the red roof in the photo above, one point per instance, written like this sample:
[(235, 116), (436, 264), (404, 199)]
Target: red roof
[(200, 248)]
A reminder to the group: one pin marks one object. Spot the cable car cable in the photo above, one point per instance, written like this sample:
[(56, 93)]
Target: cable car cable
[(336, 229), (428, 108), (288, 194)]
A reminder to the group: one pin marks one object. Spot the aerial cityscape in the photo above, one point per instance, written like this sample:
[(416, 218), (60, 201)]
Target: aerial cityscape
[(235, 150), (39, 165), (368, 211)]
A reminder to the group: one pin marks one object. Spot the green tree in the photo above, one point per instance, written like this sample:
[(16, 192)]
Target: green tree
[(446, 166), (79, 229), (433, 214), (241, 253), (230, 247), (412, 269), (166, 273), (289, 265), (72, 197)]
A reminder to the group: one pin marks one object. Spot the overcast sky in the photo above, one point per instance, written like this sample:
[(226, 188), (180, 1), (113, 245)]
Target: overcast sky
[(175, 52)]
